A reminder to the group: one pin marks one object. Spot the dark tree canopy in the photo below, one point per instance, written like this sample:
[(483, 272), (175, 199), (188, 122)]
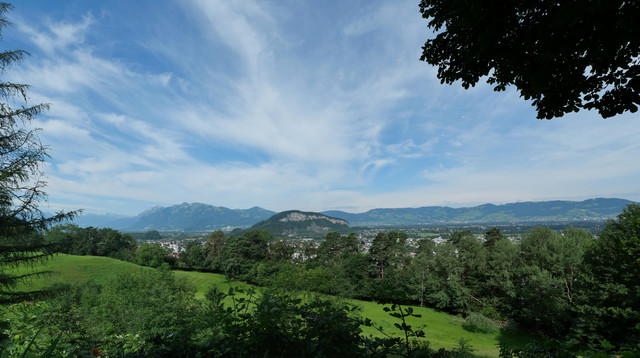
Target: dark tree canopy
[(563, 55), (21, 184)]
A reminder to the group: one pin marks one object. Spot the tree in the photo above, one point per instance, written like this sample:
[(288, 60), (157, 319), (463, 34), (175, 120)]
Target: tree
[(151, 255), (422, 265), (71, 239), (335, 248), (471, 255), (194, 257), (549, 265), (113, 243), (492, 236), (281, 250), (564, 55), (608, 303), (387, 249), (446, 289), (241, 254), (498, 285), (213, 247), (21, 184), (458, 235)]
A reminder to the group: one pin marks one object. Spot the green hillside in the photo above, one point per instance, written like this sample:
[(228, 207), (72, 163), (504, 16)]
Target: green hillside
[(442, 330), (76, 269)]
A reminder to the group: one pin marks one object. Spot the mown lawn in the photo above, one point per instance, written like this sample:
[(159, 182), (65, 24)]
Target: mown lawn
[(442, 330)]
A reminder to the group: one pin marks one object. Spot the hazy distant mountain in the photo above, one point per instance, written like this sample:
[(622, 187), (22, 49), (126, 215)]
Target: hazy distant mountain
[(201, 217), (592, 209), (104, 220), (298, 223), (182, 217)]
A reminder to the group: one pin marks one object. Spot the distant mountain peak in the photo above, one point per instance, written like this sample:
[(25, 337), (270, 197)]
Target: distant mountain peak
[(295, 222), (186, 217)]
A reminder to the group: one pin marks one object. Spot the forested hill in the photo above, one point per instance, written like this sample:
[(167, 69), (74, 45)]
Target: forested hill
[(592, 209), (296, 222), (201, 217)]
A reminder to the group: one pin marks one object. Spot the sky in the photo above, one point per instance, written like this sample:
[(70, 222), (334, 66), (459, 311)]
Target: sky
[(287, 104)]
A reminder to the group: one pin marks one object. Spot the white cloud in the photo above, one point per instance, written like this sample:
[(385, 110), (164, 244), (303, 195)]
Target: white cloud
[(237, 23), (239, 104), (63, 130), (59, 35)]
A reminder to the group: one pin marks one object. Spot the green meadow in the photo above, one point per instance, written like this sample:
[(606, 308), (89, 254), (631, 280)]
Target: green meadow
[(442, 330)]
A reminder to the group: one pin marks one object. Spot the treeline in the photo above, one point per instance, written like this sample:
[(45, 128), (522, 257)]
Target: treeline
[(566, 285), (74, 240)]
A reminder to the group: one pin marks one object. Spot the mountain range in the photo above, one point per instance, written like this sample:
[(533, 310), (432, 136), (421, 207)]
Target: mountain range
[(543, 211), (181, 217), (204, 217)]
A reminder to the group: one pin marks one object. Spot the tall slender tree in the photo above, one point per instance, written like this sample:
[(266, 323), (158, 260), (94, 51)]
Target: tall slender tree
[(21, 178)]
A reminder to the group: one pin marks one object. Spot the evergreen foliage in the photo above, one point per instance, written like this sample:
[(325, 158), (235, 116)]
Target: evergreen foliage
[(21, 185)]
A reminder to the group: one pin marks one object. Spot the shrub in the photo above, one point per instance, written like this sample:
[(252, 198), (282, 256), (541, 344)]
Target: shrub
[(476, 322)]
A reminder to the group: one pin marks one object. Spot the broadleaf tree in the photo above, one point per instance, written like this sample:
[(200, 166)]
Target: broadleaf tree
[(608, 301), (563, 55)]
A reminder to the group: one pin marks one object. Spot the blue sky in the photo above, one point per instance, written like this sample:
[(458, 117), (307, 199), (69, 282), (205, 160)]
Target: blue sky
[(288, 105)]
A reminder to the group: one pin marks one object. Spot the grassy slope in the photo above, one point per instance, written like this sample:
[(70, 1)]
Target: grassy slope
[(442, 330), (74, 269)]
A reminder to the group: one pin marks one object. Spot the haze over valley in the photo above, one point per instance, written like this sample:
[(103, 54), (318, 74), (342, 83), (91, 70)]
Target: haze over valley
[(203, 217)]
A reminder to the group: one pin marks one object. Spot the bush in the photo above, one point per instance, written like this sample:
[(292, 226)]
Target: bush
[(476, 322), (492, 313), (148, 311)]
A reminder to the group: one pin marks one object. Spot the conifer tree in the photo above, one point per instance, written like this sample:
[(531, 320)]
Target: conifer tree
[(21, 178)]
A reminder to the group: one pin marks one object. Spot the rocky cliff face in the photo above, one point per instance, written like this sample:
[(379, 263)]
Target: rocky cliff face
[(300, 216)]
